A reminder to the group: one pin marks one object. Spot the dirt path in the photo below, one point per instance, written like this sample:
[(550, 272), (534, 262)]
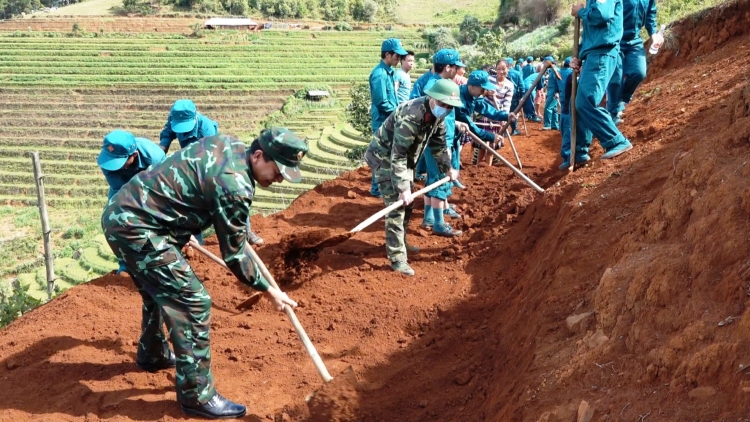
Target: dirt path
[(654, 243)]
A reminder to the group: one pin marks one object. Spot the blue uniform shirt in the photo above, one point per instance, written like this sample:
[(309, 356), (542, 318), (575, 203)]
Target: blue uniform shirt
[(635, 15), (203, 127), (419, 85), (601, 25), (382, 93), (477, 105), (564, 94), (529, 80), (148, 153), (527, 70), (517, 79), (404, 85)]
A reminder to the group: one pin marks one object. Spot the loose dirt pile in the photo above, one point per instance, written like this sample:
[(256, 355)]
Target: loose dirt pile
[(609, 288)]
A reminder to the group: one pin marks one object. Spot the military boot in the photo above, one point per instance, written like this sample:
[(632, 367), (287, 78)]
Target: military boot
[(402, 267), (217, 408)]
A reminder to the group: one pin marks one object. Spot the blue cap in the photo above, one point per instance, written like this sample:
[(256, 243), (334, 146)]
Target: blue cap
[(118, 146), (392, 45), (447, 56), (482, 79), (530, 59), (509, 60), (550, 58), (567, 61), (183, 116)]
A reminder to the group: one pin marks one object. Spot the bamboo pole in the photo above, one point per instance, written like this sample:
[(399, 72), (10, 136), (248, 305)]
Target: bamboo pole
[(46, 231)]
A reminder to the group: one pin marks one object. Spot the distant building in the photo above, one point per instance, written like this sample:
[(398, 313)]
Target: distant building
[(231, 23)]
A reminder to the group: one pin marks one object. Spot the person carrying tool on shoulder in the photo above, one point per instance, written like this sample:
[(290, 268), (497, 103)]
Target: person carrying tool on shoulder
[(122, 157), (394, 151), (479, 85), (149, 220)]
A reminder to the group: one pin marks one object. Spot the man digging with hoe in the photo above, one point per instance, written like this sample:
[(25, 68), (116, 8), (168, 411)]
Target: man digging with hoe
[(149, 220)]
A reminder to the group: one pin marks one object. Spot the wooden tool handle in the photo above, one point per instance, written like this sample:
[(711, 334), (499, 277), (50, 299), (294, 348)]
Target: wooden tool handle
[(375, 217), (574, 89), (526, 96), (309, 347), (507, 163)]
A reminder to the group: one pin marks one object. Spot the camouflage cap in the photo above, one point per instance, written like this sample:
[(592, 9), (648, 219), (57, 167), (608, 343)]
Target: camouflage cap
[(446, 91), (286, 149)]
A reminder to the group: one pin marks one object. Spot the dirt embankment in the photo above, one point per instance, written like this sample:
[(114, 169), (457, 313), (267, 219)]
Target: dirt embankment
[(648, 253)]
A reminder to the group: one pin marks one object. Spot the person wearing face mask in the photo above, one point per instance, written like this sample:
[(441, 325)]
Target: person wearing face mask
[(446, 64), (471, 93), (415, 126), (150, 219), (122, 157)]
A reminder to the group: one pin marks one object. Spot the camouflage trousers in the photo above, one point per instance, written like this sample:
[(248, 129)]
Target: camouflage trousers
[(397, 220), (172, 294)]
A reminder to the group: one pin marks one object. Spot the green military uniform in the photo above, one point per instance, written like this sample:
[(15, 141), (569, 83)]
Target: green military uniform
[(149, 220), (394, 151)]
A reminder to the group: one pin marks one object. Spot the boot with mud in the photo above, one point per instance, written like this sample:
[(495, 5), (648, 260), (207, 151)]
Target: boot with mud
[(217, 408), (403, 267)]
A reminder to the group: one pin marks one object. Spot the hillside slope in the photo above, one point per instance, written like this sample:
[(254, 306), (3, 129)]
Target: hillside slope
[(654, 243)]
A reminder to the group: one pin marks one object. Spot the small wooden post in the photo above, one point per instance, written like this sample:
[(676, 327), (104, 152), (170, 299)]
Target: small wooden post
[(46, 231)]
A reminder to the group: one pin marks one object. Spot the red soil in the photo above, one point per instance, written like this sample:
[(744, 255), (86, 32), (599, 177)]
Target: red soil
[(655, 243)]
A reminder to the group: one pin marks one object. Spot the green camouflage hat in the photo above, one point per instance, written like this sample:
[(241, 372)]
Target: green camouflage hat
[(286, 149), (445, 90)]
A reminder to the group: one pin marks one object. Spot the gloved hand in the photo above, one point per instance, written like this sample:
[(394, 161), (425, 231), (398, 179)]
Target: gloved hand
[(406, 197), (278, 299)]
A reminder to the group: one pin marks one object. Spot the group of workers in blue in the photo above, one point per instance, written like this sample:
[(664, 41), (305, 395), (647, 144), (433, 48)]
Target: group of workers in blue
[(446, 65), (123, 155), (611, 62)]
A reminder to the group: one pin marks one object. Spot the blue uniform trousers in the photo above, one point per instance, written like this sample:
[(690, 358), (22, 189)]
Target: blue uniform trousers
[(595, 76), (629, 73), (551, 115), (565, 130), (528, 106)]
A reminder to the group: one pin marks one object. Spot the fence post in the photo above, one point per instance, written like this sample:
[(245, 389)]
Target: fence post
[(46, 231)]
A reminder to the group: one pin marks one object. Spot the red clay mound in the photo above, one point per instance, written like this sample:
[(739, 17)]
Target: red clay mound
[(609, 288)]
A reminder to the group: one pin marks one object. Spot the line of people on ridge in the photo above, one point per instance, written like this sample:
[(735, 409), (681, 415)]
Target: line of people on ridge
[(611, 60)]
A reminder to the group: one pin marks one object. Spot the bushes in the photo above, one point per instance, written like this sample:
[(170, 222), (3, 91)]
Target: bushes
[(358, 110), (540, 12), (14, 303)]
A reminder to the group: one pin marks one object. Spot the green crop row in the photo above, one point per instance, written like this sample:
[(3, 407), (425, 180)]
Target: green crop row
[(38, 107), (180, 62), (235, 117), (225, 72), (245, 79), (75, 84)]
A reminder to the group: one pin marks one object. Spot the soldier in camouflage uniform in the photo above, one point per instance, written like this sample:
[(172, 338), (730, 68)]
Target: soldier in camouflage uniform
[(394, 152), (149, 220)]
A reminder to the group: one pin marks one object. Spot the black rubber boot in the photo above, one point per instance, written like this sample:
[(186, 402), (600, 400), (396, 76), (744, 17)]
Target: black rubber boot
[(158, 365), (216, 408)]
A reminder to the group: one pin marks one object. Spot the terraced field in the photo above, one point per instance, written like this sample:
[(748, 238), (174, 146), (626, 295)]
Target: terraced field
[(60, 95)]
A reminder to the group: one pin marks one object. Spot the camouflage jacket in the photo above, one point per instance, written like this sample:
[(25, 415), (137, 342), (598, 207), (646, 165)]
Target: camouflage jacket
[(209, 182), (402, 139)]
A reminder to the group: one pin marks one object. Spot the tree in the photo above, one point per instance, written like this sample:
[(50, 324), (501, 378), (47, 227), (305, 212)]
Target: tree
[(358, 110), (440, 38), (470, 30), (333, 10), (364, 10), (236, 7)]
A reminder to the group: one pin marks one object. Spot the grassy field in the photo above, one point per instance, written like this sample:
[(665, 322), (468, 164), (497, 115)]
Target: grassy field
[(60, 95), (87, 8)]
